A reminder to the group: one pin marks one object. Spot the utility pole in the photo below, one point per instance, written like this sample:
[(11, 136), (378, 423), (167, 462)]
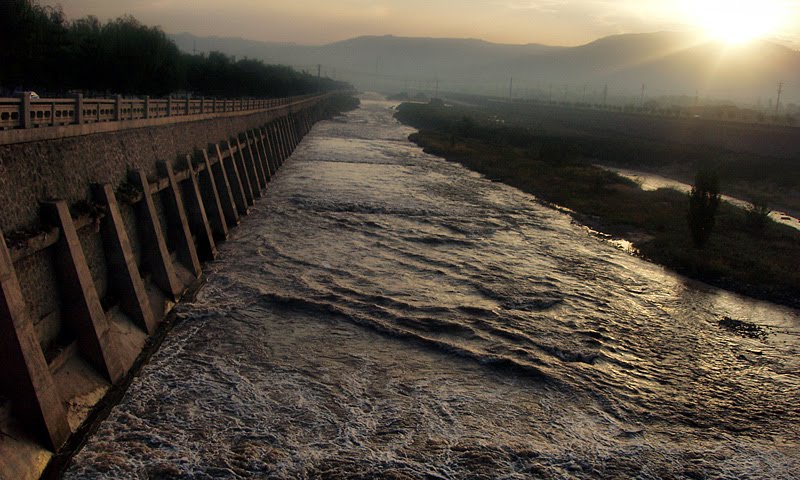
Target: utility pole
[(437, 88), (778, 103), (584, 94), (641, 101), (194, 48), (605, 95), (319, 77), (511, 88), (377, 71)]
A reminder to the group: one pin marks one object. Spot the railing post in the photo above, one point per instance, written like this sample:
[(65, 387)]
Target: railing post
[(226, 192), (122, 268), (34, 393), (147, 106), (96, 339), (155, 253), (26, 111), (169, 106), (188, 104), (196, 214), (178, 224), (79, 108), (211, 199), (202, 105), (118, 112)]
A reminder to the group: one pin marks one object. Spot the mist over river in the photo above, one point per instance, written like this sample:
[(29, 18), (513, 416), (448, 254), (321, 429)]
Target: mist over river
[(386, 314)]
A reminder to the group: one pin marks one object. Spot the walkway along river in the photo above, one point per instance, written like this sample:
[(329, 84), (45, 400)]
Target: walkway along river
[(387, 314)]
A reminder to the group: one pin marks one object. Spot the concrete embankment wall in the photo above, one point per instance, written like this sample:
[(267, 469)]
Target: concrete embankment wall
[(102, 232)]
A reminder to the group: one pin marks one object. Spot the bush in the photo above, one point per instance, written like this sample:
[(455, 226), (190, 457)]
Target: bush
[(43, 51), (703, 203), (757, 216)]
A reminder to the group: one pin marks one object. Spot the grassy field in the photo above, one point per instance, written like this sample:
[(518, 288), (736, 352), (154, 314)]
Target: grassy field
[(748, 176), (738, 257)]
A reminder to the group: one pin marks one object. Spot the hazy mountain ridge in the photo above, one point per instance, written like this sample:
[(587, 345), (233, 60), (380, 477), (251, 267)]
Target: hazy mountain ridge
[(668, 63)]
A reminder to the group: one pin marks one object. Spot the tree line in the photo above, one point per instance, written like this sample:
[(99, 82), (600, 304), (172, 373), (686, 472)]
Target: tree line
[(44, 51)]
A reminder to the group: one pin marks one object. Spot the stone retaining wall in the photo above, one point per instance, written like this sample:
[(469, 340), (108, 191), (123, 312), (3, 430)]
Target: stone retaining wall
[(103, 235)]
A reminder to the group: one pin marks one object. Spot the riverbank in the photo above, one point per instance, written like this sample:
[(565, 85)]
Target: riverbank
[(653, 181), (759, 262), (751, 166)]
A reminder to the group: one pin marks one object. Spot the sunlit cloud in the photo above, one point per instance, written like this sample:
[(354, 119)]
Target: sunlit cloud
[(546, 6)]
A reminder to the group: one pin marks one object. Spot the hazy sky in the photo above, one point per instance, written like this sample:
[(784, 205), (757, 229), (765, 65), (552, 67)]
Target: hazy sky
[(554, 22)]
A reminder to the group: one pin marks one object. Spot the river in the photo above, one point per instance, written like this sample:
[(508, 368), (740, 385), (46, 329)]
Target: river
[(387, 314)]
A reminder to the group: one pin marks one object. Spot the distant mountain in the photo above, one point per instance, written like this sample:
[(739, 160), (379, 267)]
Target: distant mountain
[(371, 55), (666, 63), (669, 63)]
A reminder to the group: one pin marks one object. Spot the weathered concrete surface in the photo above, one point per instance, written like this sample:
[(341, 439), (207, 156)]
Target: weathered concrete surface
[(65, 168)]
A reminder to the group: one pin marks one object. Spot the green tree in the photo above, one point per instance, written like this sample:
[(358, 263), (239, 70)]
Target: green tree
[(704, 200), (32, 39), (41, 50)]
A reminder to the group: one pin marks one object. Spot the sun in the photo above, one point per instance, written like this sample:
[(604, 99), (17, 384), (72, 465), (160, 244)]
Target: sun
[(737, 21)]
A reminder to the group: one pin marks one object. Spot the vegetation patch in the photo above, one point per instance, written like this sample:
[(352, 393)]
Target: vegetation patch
[(758, 262), (339, 103), (744, 329), (20, 237), (42, 50)]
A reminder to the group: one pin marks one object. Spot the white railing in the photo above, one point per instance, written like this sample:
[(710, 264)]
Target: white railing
[(20, 113)]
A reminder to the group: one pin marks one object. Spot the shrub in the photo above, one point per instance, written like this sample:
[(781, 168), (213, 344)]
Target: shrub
[(703, 203), (757, 216)]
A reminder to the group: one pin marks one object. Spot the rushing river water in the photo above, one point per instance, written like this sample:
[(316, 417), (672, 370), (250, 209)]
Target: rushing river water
[(387, 314)]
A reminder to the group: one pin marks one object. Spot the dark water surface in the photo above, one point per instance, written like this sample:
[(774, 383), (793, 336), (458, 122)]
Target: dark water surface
[(387, 314)]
